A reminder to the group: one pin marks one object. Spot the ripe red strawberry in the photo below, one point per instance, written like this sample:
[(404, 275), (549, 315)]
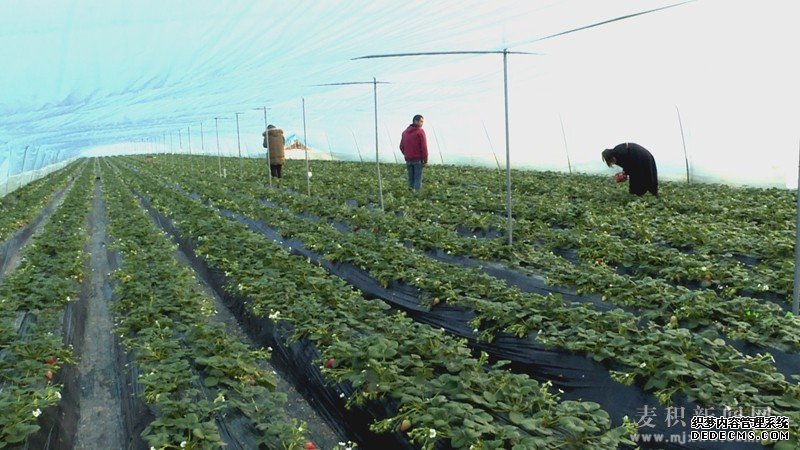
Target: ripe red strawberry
[(310, 446), (329, 363)]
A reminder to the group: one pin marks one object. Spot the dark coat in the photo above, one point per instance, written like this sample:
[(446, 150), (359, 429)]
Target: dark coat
[(639, 165)]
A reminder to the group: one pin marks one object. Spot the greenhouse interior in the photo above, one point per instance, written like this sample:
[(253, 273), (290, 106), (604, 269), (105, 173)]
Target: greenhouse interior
[(521, 224)]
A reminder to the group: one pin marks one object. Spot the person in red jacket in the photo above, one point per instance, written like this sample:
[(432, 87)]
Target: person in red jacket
[(414, 147)]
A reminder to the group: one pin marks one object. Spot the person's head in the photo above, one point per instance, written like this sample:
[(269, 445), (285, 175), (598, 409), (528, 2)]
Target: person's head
[(608, 157), (271, 127), (418, 120)]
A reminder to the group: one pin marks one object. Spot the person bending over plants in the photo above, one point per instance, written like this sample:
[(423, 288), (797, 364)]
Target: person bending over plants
[(638, 167)]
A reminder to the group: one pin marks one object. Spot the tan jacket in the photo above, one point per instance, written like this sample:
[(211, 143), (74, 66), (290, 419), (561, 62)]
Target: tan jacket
[(276, 143)]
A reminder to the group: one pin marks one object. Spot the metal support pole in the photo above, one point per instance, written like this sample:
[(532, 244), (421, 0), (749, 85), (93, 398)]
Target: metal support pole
[(189, 141), (358, 149), (8, 170), (203, 148), (36, 164), (24, 156), (377, 162), (391, 144), (491, 147), (180, 144), (305, 144), (266, 139), (219, 158), (796, 293), (239, 147), (508, 148), (330, 148), (566, 149), (685, 155), (438, 147)]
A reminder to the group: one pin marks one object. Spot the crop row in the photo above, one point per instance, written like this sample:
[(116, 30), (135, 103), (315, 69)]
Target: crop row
[(708, 218), (192, 372), (579, 212), (438, 387), (759, 323), (22, 205), (618, 232), (32, 303), (700, 365)]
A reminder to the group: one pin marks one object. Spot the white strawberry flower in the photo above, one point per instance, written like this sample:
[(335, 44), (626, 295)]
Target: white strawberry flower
[(37, 412), (432, 433)]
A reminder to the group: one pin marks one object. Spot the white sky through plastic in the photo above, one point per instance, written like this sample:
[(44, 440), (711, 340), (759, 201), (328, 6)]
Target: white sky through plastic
[(93, 77)]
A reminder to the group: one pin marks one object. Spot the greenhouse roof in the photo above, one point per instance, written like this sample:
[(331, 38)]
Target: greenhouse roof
[(96, 78)]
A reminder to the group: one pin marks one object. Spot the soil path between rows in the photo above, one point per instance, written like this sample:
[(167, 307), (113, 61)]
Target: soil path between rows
[(100, 424), (318, 431)]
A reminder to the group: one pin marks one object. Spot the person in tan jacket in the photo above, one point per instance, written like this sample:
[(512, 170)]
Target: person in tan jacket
[(274, 142)]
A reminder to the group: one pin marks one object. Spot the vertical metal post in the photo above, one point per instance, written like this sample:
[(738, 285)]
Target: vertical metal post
[(8, 170), (266, 139), (35, 164), (305, 144), (24, 156), (203, 148), (566, 149), (508, 148), (490, 145), (391, 144), (438, 147), (189, 141), (239, 147), (796, 293), (180, 144), (685, 155), (219, 158), (330, 148), (377, 162), (356, 141)]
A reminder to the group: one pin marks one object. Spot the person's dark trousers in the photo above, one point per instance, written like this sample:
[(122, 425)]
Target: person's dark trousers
[(414, 174), (275, 170)]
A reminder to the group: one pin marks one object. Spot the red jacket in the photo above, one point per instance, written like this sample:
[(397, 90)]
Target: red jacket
[(414, 145)]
